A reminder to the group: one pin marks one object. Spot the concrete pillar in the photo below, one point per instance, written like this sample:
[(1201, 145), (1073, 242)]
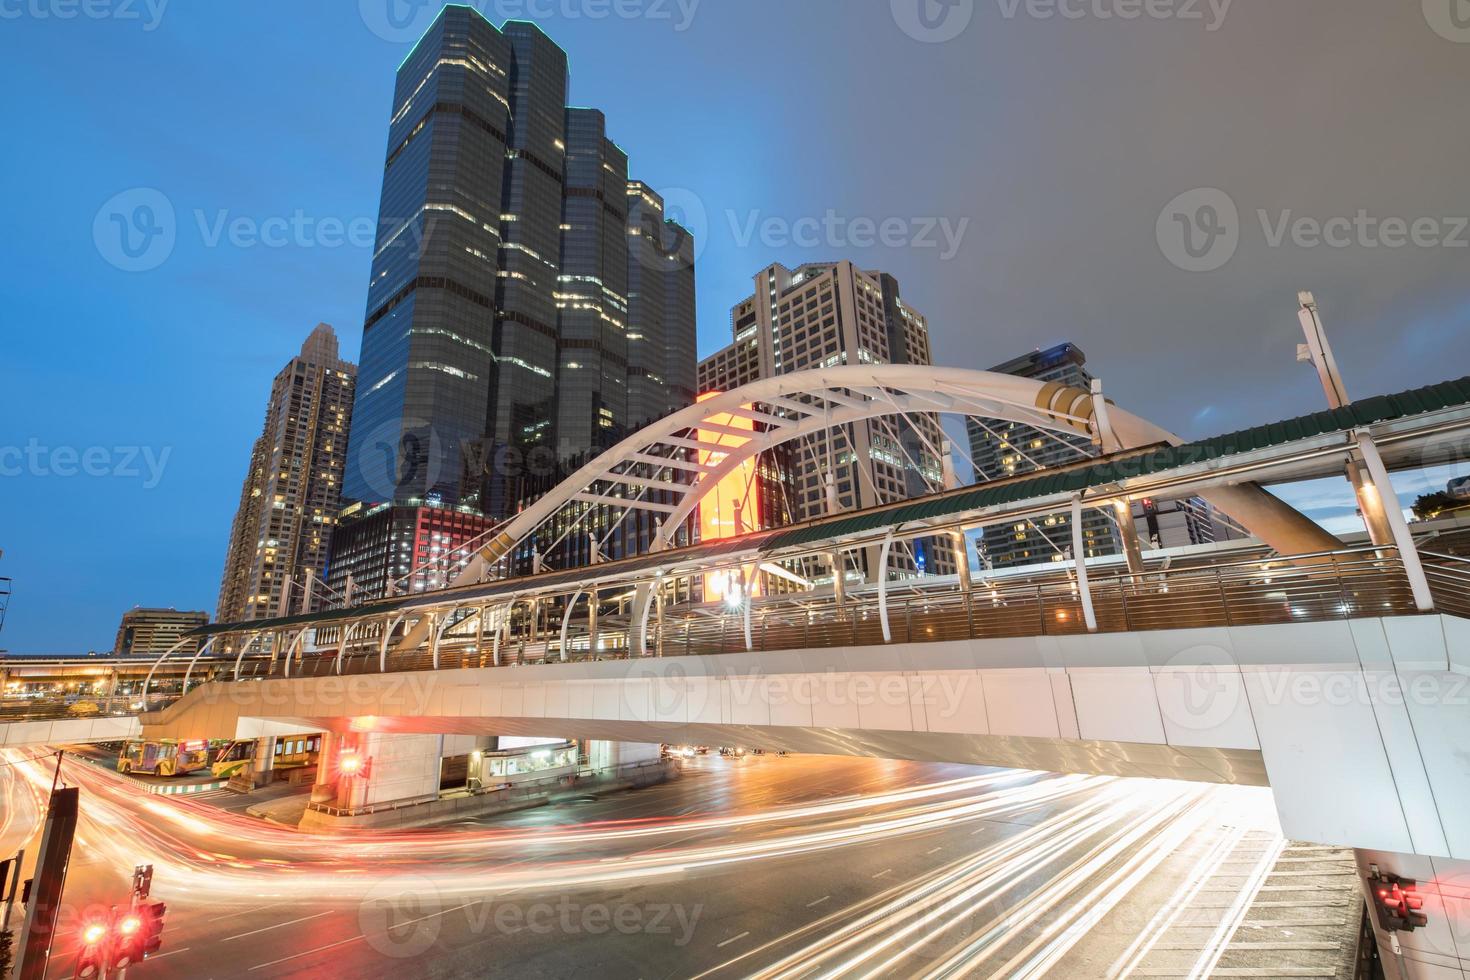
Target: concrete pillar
[(1442, 948), (324, 789), (263, 762), (397, 769)]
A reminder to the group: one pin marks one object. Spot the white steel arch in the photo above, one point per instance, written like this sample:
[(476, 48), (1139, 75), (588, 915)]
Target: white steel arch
[(810, 402)]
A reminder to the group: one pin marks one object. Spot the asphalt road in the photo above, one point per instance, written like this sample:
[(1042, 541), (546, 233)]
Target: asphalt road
[(762, 866)]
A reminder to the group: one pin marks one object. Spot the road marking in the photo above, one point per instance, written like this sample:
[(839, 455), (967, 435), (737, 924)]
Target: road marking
[(409, 922), (231, 915), (882, 873), (340, 942), (278, 925), (159, 956), (818, 901), (732, 939), (932, 850)]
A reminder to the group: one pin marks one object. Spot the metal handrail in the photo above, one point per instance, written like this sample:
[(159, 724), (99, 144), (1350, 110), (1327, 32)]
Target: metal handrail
[(1352, 582)]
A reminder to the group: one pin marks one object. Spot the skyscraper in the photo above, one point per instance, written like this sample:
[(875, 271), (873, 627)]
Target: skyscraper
[(661, 334), (496, 341), (292, 490), (822, 315)]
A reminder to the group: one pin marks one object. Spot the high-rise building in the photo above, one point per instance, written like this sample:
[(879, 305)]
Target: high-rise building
[(292, 490), (156, 631), (822, 315), (1001, 449), (501, 335), (661, 334)]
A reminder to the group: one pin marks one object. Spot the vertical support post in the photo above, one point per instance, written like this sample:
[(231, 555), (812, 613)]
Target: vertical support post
[(839, 579), (1123, 510), (747, 576), (1387, 503), (480, 635), (566, 621), (883, 585), (962, 562), (658, 598), (306, 590), (1079, 558)]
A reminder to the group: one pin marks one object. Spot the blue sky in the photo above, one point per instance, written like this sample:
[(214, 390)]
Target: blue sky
[(1025, 160)]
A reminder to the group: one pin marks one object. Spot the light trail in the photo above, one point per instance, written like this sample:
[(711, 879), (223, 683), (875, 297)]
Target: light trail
[(1070, 849)]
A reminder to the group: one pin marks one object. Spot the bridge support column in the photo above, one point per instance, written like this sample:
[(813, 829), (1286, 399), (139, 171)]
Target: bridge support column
[(263, 762), (396, 771), (1385, 502), (1440, 949)]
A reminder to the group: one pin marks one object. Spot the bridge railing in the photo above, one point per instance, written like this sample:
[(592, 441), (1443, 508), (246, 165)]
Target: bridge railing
[(1449, 582), (1347, 584)]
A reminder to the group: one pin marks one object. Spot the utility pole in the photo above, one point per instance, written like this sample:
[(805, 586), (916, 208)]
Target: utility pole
[(39, 932), (1319, 352)]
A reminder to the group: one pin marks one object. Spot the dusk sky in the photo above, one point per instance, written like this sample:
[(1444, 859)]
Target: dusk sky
[(1020, 178)]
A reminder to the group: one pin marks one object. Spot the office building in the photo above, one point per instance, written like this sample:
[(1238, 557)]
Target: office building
[(502, 335), (292, 490), (823, 315), (156, 631)]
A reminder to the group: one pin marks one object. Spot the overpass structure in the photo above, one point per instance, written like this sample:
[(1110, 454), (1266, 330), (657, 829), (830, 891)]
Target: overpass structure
[(1339, 675)]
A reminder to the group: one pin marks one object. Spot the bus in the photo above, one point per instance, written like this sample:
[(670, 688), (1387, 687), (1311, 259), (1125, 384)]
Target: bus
[(163, 757), (291, 752), (233, 759)]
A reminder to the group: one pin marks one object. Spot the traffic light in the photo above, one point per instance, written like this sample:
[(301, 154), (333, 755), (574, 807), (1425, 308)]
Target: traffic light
[(128, 938), (1397, 903), (92, 954), (151, 914)]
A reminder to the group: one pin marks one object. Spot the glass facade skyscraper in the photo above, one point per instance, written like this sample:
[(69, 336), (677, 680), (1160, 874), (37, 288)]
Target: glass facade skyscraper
[(496, 339)]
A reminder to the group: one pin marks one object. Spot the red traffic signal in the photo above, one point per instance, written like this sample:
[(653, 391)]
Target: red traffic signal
[(128, 939), (1397, 903), (92, 956)]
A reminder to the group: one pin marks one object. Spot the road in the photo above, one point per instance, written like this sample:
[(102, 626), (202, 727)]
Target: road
[(763, 866)]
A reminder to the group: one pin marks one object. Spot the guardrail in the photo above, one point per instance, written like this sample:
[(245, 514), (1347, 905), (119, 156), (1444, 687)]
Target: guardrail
[(18, 708), (1346, 584)]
